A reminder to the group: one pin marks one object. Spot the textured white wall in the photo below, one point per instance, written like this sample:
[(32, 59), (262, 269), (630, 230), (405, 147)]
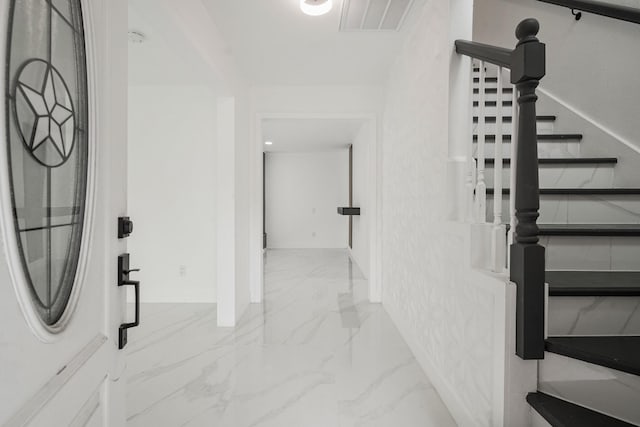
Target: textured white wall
[(361, 193), (171, 156), (446, 311), (302, 195)]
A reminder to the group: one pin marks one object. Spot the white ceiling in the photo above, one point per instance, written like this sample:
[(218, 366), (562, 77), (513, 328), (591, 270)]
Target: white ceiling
[(173, 53), (292, 135), (274, 43), (271, 42)]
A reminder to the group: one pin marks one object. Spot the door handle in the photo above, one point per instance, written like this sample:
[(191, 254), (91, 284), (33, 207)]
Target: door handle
[(123, 280), (122, 331)]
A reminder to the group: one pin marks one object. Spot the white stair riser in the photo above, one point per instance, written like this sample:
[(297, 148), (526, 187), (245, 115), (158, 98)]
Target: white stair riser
[(591, 253), (545, 149), (573, 209), (602, 389), (492, 96), (594, 316), (537, 420), (543, 128), (492, 85), (563, 176), (492, 111)]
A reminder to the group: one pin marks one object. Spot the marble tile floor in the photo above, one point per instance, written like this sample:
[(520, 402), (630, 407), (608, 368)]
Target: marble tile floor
[(315, 353)]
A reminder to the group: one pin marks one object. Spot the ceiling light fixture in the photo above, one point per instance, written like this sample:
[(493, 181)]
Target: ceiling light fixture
[(268, 143), (316, 7)]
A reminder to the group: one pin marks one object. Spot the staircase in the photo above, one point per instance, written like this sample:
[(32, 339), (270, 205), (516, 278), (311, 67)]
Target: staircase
[(590, 374)]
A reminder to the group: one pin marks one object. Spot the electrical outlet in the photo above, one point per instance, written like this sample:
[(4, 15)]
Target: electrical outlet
[(182, 270), (313, 210), (313, 234)]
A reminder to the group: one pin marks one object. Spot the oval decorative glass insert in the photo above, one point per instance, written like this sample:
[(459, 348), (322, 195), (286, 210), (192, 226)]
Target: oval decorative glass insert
[(47, 143)]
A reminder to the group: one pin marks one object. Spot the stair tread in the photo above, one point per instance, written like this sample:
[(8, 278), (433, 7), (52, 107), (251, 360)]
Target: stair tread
[(508, 119), (560, 413), (604, 230), (541, 137), (621, 353), (612, 230), (593, 283), (581, 191), (564, 160)]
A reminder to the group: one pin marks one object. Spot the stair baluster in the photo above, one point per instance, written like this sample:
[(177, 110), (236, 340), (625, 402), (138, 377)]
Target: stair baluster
[(513, 167), (470, 179), (498, 238), (481, 186)]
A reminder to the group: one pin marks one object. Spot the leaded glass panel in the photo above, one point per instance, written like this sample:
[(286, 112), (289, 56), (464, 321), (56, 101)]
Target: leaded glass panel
[(47, 117)]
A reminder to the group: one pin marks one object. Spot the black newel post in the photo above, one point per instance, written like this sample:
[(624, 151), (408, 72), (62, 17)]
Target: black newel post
[(527, 256)]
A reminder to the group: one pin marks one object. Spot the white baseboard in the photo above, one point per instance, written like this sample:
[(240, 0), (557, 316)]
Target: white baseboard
[(458, 410), (353, 259)]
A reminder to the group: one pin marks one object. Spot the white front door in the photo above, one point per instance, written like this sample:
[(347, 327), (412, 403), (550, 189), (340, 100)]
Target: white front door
[(62, 188)]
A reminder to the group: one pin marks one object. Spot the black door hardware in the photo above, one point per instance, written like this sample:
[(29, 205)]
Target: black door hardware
[(578, 15), (123, 280), (125, 227)]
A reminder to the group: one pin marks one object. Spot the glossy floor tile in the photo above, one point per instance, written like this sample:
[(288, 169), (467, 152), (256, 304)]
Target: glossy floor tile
[(316, 353)]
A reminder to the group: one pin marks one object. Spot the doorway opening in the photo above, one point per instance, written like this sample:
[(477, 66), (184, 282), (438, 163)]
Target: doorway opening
[(312, 166)]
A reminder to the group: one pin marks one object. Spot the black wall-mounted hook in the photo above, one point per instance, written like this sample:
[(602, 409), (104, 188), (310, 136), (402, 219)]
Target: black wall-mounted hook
[(578, 15)]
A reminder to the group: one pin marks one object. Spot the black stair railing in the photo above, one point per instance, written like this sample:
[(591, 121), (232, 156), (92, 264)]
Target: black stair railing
[(616, 11), (527, 264)]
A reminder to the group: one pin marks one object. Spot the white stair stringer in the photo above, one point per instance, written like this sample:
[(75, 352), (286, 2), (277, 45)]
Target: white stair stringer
[(537, 420)]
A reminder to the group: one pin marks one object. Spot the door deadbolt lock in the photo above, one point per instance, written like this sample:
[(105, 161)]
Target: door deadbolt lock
[(125, 227)]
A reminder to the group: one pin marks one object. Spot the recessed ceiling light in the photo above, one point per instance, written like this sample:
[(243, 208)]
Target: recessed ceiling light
[(316, 7), (268, 143)]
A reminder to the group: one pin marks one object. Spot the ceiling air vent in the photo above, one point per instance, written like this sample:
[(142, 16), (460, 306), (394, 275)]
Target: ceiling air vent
[(373, 15)]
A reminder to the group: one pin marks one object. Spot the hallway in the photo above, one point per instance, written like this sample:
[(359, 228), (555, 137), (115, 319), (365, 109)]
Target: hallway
[(316, 353)]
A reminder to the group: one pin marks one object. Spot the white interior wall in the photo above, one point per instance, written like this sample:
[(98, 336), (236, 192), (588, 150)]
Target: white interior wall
[(311, 102), (334, 100), (186, 30), (225, 216), (453, 317), (171, 152), (303, 191), (361, 197), (590, 66), (242, 144)]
